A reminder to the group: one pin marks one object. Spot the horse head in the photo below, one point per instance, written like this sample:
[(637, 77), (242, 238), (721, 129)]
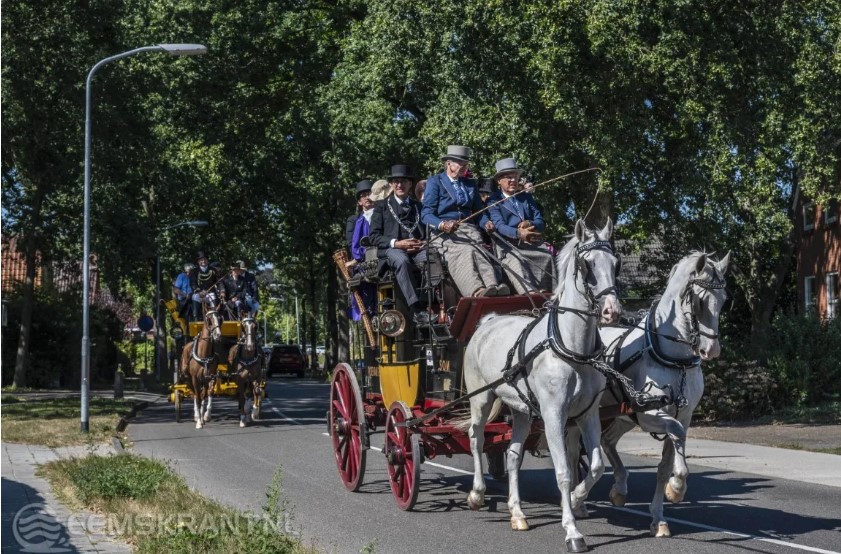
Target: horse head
[(699, 285), (212, 317), (249, 333), (597, 266)]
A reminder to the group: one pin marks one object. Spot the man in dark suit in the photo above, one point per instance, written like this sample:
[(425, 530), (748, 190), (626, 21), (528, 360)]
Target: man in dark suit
[(398, 234), (363, 190)]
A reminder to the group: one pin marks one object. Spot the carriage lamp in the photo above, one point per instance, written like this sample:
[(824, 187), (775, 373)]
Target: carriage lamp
[(392, 323)]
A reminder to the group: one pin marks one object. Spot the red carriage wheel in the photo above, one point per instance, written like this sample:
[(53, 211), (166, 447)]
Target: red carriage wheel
[(403, 456), (347, 427)]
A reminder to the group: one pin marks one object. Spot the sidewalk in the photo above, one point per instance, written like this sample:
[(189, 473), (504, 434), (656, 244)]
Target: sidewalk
[(33, 519), (780, 463)]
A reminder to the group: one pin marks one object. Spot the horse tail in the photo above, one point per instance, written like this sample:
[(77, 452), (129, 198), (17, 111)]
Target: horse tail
[(463, 423)]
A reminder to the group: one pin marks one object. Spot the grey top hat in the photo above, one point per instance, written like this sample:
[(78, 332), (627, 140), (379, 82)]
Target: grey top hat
[(363, 186), (506, 165), (460, 153), (401, 171), (487, 185)]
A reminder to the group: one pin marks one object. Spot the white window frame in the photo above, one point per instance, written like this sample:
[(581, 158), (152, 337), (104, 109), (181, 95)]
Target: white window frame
[(830, 208), (832, 303), (808, 222), (809, 304)]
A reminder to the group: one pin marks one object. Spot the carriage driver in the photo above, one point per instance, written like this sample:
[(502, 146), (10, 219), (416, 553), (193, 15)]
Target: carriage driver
[(449, 198), (240, 289), (182, 291), (203, 279), (397, 233), (519, 222)]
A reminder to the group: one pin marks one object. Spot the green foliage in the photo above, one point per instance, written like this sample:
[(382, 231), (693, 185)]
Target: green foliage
[(56, 340), (735, 390), (122, 476), (805, 360)]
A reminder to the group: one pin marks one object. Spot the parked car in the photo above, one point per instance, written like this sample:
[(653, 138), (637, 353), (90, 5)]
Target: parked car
[(287, 358)]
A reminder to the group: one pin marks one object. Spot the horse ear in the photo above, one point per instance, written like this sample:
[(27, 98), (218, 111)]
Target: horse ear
[(701, 263), (580, 228), (607, 230), (722, 264)]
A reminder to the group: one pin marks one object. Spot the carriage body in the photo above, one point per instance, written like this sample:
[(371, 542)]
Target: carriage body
[(409, 379), (183, 332)]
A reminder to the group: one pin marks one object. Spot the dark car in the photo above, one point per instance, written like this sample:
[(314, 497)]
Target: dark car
[(287, 359)]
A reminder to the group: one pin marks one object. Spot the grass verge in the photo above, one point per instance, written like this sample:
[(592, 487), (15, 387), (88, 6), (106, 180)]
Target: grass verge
[(146, 504), (54, 422), (794, 446)]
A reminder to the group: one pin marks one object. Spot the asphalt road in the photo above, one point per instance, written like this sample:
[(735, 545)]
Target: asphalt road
[(723, 511)]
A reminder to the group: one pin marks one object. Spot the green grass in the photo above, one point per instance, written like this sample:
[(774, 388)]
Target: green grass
[(129, 491), (794, 446), (55, 422)]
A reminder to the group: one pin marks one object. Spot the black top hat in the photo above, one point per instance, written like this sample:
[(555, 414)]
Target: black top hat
[(459, 153), (487, 185), (401, 171), (363, 186), (201, 255), (507, 165)]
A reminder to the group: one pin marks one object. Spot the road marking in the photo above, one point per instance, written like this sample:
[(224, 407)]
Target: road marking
[(291, 420), (720, 530), (670, 519)]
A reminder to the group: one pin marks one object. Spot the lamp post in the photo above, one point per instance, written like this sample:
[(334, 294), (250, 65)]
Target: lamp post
[(173, 50), (160, 337)]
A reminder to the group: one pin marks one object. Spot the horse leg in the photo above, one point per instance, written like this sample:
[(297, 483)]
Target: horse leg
[(255, 395), (480, 410), (554, 419), (619, 491), (520, 427), (574, 461), (210, 389), (241, 400), (659, 526), (591, 428), (676, 487), (198, 396)]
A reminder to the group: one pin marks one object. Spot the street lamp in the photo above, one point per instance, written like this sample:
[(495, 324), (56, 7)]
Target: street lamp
[(160, 337), (173, 50)]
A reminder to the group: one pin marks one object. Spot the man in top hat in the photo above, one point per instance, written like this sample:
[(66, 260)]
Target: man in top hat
[(517, 218), (399, 236), (240, 290), (450, 198), (487, 187), (363, 190), (202, 280)]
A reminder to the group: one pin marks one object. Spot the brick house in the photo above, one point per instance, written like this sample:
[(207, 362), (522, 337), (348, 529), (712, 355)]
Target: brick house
[(819, 258)]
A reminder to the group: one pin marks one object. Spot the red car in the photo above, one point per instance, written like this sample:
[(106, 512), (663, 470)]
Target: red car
[(287, 358)]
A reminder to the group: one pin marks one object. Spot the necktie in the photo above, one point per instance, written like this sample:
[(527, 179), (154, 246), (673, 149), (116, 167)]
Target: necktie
[(461, 195)]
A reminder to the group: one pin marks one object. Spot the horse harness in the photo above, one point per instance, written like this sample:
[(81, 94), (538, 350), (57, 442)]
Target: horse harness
[(204, 362), (652, 346)]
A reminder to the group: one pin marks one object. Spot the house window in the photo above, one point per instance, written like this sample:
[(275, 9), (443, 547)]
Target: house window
[(830, 213), (831, 295), (809, 294), (809, 216)]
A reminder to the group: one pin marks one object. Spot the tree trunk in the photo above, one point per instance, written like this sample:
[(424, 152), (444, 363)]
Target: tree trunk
[(330, 312), (313, 318), (22, 361)]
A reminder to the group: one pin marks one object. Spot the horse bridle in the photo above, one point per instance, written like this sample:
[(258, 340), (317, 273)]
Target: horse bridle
[(694, 299), (248, 363), (581, 265)]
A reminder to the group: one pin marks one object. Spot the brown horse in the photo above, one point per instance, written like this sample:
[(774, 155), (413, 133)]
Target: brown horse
[(199, 361), (245, 362)]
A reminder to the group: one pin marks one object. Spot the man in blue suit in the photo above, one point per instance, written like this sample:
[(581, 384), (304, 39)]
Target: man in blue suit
[(450, 198), (519, 224)]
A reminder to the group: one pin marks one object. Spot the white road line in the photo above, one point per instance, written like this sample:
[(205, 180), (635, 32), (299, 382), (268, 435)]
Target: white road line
[(671, 519), (286, 417)]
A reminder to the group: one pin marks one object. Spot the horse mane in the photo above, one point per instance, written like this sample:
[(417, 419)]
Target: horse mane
[(564, 258)]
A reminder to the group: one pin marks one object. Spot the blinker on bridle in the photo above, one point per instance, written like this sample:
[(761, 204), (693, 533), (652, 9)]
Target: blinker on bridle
[(581, 249)]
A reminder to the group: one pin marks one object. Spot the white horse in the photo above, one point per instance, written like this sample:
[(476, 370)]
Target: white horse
[(551, 372), (663, 355)]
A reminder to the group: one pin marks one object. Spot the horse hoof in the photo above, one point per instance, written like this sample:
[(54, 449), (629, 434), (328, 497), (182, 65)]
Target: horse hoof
[(198, 425), (576, 545), (475, 500), (672, 495), (660, 530), (617, 498), (580, 512), (241, 424), (206, 419), (519, 524)]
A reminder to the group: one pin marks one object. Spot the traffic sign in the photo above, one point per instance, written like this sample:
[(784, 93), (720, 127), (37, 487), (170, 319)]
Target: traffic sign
[(145, 323)]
